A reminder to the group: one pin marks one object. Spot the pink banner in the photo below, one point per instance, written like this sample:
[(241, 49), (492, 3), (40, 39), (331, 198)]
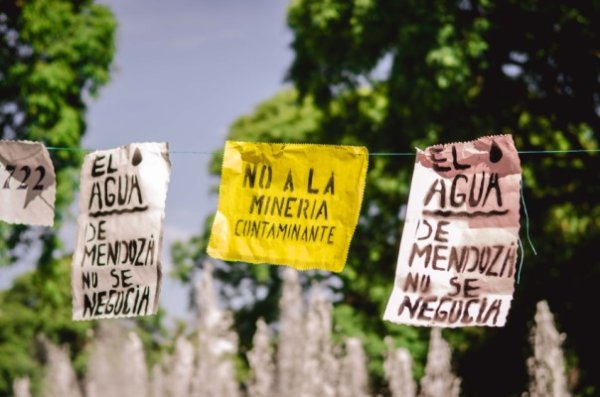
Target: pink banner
[(456, 265)]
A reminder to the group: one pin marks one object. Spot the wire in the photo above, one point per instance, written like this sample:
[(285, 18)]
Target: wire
[(382, 154)]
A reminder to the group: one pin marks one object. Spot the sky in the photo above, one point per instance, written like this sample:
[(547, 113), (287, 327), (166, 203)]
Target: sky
[(184, 71)]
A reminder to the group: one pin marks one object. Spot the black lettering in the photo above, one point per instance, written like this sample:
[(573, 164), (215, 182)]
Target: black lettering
[(101, 254), (473, 201), (468, 287), (258, 202), (89, 304), (102, 230), (440, 232), (455, 162), (420, 252), (510, 260), (484, 259), (493, 310), (330, 236), (27, 171), (466, 317), (89, 279), (406, 303), (441, 315), (425, 308), (437, 160), (439, 256), (114, 274), (457, 199), (454, 283), (237, 224), (95, 194), (455, 311), (411, 282), (493, 184), (144, 301), (329, 188), (110, 169), (122, 191), (109, 198), (429, 231), (499, 249), (288, 207), (135, 186), (100, 303), (441, 191), (454, 262), (277, 205), (126, 275), (268, 171), (482, 308), (87, 253), (126, 309), (11, 170), (97, 166), (310, 189), (142, 242), (475, 261), (289, 182), (249, 175), (150, 253), (322, 210), (42, 171)]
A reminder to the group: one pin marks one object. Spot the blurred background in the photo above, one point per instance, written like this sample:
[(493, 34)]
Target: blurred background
[(390, 75)]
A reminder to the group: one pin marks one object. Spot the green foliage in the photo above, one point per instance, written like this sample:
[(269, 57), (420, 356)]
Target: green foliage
[(457, 71), (53, 54), (38, 303)]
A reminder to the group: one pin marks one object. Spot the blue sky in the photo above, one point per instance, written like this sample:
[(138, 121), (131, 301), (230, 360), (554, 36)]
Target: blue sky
[(184, 71)]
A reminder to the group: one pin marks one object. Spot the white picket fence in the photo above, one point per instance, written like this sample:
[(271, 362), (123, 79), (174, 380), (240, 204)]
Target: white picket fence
[(301, 362)]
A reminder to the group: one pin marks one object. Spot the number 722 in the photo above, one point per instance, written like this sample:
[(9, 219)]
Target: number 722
[(25, 171)]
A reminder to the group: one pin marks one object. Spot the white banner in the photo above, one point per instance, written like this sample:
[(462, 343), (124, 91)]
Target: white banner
[(116, 265)]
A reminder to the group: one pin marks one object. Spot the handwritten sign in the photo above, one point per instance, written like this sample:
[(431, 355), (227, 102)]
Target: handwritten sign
[(456, 264), (116, 265), (27, 183), (290, 204)]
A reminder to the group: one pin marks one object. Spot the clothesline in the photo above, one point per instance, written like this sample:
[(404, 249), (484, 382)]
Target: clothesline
[(390, 154)]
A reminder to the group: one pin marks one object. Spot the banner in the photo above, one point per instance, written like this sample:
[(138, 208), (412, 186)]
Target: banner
[(28, 183), (116, 264), (289, 204), (456, 264)]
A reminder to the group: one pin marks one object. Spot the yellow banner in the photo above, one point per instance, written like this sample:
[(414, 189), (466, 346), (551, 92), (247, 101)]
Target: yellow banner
[(288, 204)]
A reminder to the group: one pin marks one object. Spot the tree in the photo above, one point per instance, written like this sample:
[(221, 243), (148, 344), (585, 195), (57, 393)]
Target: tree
[(37, 304), (457, 70), (53, 55)]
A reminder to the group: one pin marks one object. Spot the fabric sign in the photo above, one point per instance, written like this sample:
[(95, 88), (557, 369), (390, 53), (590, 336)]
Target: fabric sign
[(116, 265), (456, 264), (28, 183), (290, 204)]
